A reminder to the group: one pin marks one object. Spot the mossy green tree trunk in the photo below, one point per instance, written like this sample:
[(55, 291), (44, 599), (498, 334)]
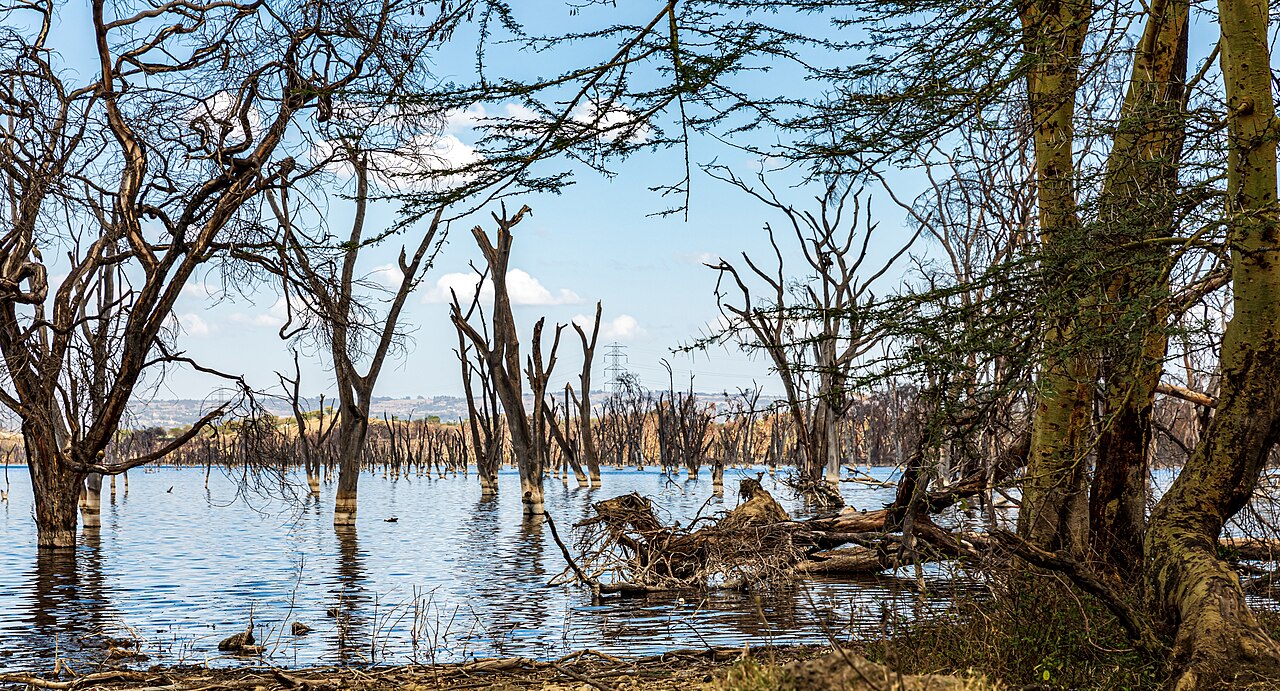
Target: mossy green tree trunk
[(1135, 208), (1054, 501), (1219, 643)]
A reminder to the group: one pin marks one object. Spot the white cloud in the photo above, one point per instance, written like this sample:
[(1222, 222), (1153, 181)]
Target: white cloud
[(623, 327), (463, 121), (609, 116), (273, 318), (523, 289), (194, 325), (527, 290), (388, 276), (411, 165), (408, 168), (201, 287), (218, 119)]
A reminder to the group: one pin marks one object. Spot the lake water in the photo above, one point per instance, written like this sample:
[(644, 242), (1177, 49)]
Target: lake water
[(180, 567)]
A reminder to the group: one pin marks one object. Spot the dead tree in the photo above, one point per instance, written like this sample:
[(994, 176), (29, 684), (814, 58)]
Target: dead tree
[(310, 447), (501, 356), (587, 451), (735, 437), (683, 425), (484, 421), (813, 327), (543, 425), (325, 285), (147, 168), (568, 441)]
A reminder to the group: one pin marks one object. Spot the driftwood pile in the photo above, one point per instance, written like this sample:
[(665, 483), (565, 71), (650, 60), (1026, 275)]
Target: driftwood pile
[(626, 549)]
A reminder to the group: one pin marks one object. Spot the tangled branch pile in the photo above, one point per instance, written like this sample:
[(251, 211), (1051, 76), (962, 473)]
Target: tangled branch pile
[(624, 548)]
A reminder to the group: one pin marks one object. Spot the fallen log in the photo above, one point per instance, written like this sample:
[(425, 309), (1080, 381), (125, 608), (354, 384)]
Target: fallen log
[(1251, 548)]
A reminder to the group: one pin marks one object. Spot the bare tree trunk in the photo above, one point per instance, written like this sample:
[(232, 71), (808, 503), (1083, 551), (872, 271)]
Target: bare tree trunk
[(502, 358), (586, 440)]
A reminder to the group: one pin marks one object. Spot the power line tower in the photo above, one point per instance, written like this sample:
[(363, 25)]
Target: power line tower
[(615, 359)]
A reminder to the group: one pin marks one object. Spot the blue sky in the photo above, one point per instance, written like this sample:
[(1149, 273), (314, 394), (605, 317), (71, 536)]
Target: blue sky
[(596, 241), (599, 240)]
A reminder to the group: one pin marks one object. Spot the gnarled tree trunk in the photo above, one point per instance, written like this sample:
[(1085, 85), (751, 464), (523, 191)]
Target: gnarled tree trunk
[(1219, 642), (1138, 202), (56, 487)]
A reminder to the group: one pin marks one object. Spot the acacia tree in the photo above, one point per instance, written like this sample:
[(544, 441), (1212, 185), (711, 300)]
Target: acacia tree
[(1218, 638), (155, 160)]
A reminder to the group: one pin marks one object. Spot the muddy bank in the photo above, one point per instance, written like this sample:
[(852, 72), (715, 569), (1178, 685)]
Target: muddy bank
[(800, 668)]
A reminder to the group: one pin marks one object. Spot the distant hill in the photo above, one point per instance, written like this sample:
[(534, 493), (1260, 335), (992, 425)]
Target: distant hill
[(182, 412)]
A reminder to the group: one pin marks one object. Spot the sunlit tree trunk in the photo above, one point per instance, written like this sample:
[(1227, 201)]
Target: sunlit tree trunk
[(91, 501), (1054, 502), (1219, 642)]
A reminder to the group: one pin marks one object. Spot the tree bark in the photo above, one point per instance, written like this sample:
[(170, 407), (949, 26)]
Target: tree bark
[(1054, 502), (55, 487), (91, 501), (1219, 642), (1137, 203), (502, 358), (352, 431)]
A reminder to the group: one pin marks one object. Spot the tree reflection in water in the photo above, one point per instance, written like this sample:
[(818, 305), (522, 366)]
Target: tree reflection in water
[(69, 604), (350, 601)]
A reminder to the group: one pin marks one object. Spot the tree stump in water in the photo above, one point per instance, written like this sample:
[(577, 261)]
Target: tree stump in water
[(236, 643)]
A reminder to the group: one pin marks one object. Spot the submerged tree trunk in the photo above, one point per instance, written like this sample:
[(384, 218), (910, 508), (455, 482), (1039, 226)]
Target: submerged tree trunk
[(352, 431), (1054, 503), (1219, 642), (55, 487), (91, 501)]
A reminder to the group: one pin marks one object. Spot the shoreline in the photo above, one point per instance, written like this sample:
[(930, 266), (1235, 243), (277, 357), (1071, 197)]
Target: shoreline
[(586, 669)]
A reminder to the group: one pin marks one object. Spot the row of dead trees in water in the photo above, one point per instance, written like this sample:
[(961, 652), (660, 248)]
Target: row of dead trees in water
[(631, 428)]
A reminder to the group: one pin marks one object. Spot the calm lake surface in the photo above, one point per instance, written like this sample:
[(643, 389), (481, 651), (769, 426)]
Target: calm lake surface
[(180, 567)]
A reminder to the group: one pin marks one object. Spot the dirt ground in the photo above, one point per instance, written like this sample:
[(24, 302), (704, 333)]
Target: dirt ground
[(586, 670), (802, 668)]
